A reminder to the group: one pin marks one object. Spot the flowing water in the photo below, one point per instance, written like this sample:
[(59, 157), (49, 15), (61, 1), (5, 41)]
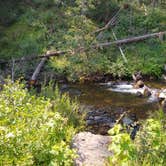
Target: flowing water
[(115, 100), (100, 96)]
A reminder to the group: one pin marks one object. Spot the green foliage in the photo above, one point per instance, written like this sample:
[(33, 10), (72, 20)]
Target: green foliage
[(122, 147), (65, 106), (40, 25), (153, 21), (147, 57), (148, 148), (119, 68), (36, 130)]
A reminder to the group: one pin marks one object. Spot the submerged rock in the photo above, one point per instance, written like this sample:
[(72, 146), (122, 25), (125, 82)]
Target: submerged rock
[(127, 121), (65, 88), (92, 149), (99, 121), (139, 94)]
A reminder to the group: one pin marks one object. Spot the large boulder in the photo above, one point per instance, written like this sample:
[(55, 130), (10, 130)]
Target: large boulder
[(162, 99), (92, 149)]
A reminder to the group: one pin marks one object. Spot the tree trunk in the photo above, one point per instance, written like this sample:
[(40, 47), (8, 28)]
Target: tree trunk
[(129, 40), (42, 62), (37, 70)]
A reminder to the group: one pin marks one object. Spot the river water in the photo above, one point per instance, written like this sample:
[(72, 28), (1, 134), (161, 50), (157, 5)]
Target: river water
[(101, 97)]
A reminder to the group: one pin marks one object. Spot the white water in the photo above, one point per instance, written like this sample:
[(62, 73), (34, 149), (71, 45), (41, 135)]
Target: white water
[(128, 88)]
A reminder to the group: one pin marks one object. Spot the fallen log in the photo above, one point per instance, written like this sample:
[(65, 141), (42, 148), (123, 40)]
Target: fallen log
[(32, 57), (117, 42), (37, 70), (42, 62), (128, 40)]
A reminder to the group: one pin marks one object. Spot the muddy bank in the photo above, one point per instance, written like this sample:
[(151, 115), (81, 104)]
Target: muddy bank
[(98, 78)]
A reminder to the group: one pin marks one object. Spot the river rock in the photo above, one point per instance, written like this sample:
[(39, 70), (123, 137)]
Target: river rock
[(127, 121), (139, 94), (147, 92), (139, 84), (92, 149), (99, 120), (163, 104), (162, 94)]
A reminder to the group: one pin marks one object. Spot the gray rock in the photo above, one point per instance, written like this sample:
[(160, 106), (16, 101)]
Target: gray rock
[(127, 121), (92, 149), (90, 122), (103, 120), (139, 94)]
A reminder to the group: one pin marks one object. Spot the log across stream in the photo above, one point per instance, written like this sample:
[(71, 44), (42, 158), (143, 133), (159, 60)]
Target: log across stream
[(105, 105)]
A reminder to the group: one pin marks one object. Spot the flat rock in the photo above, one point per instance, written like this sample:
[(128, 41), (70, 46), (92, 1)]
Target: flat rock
[(92, 149)]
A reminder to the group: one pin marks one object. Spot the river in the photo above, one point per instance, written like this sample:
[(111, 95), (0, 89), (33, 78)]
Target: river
[(100, 97)]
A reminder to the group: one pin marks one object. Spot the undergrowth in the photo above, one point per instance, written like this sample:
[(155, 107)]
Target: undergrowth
[(148, 148), (36, 130)]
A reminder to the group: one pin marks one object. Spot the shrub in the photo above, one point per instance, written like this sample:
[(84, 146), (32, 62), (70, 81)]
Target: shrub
[(148, 148), (35, 130)]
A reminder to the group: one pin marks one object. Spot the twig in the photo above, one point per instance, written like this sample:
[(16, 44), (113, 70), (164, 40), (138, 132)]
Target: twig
[(120, 118), (13, 65), (120, 48)]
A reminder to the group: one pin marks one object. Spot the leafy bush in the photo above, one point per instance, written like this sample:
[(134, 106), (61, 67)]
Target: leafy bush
[(35, 130), (119, 68), (148, 148)]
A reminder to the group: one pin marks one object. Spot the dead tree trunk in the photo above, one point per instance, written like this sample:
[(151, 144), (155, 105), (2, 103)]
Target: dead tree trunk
[(129, 40), (117, 42), (37, 70), (42, 62)]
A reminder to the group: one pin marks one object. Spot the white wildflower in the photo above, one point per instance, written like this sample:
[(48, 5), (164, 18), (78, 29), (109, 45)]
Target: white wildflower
[(10, 135)]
